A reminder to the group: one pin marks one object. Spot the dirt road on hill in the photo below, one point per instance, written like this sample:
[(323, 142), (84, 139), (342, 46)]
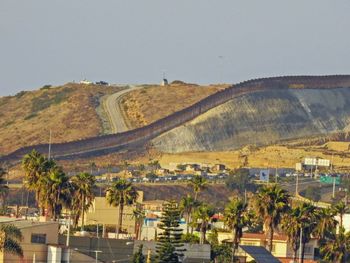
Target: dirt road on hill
[(115, 114)]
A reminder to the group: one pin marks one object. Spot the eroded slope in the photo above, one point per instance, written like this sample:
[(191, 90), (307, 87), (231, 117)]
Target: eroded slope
[(262, 118)]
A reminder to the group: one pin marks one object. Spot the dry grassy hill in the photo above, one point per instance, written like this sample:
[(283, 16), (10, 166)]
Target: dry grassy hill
[(68, 110), (153, 102)]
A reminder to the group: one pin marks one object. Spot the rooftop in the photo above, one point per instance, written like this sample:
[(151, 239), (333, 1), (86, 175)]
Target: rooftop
[(22, 223)]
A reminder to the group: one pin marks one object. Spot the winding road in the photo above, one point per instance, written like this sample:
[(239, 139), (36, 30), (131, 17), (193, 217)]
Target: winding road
[(114, 111)]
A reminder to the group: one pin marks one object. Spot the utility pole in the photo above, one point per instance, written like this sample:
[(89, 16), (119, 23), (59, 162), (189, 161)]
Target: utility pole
[(333, 194), (49, 157), (301, 244), (276, 175), (67, 240), (296, 185)]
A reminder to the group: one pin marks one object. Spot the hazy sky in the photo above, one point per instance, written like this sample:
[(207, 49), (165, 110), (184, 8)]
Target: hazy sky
[(203, 41)]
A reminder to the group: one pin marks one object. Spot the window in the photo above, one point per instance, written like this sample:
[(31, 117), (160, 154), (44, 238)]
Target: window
[(38, 238)]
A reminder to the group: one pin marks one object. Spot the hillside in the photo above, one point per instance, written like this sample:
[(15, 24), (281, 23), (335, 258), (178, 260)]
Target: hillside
[(261, 111), (68, 110), (262, 118), (153, 102)]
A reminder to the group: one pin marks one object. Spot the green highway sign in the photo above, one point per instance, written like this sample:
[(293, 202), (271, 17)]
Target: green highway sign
[(329, 180)]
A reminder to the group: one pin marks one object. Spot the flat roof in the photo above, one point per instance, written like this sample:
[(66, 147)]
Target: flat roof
[(22, 223), (260, 254)]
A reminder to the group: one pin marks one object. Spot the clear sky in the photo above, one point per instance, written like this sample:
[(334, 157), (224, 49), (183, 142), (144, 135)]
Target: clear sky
[(202, 41)]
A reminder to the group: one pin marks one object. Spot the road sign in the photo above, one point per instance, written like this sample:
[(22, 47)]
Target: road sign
[(329, 180), (264, 175)]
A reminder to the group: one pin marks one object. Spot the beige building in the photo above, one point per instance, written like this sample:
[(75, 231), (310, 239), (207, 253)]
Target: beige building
[(37, 236), (100, 212), (280, 247)]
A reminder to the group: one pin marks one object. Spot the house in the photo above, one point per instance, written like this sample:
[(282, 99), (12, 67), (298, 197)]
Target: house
[(100, 212), (280, 247), (37, 237), (219, 167)]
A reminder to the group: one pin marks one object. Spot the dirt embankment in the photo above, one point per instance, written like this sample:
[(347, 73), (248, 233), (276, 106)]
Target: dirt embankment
[(152, 103)]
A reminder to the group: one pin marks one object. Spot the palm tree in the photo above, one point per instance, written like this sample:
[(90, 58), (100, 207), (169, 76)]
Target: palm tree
[(203, 213), (120, 194), (55, 192), (290, 225), (308, 217), (187, 204), (36, 166), (271, 202), (4, 189), (337, 248), (198, 183), (236, 217), (83, 185), (10, 236), (139, 216), (326, 223), (340, 209)]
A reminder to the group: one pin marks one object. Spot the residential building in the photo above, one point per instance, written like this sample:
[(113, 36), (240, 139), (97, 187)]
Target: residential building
[(100, 212), (37, 236), (280, 247)]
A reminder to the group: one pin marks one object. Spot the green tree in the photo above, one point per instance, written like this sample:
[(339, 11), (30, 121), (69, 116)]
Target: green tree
[(121, 193), (337, 248), (55, 193), (239, 180), (326, 223), (313, 193), (83, 185), (36, 167), (187, 205), (340, 209), (236, 218), (10, 237), (308, 217), (203, 214), (291, 225), (169, 246), (198, 183), (138, 256), (4, 189), (271, 202)]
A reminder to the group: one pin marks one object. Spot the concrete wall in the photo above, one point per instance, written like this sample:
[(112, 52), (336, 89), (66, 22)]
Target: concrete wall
[(193, 253), (112, 249)]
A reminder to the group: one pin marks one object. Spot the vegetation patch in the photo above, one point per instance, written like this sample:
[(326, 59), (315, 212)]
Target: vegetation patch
[(46, 99)]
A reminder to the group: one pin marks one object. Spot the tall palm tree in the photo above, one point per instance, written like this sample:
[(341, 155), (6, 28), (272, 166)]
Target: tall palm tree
[(326, 225), (236, 217), (139, 215), (198, 183), (271, 202), (4, 189), (203, 213), (187, 205), (36, 167), (340, 209), (56, 191), (291, 225), (337, 248), (83, 185), (10, 236), (121, 194), (308, 216)]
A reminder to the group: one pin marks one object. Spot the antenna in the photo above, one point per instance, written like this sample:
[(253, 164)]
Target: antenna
[(49, 156)]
